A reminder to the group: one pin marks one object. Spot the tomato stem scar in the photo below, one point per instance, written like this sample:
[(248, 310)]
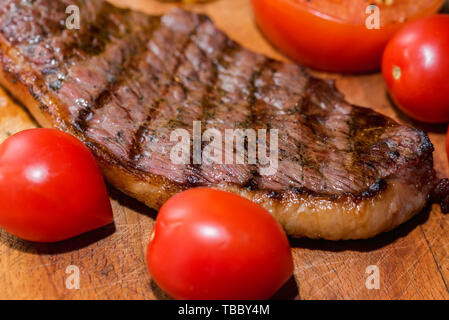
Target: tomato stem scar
[(397, 73)]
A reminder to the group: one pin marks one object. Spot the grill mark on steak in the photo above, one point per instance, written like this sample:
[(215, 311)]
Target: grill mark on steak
[(97, 32), (192, 171), (214, 49), (135, 152), (62, 57), (129, 69), (154, 80), (151, 70), (176, 93), (19, 30), (255, 120), (94, 34), (279, 97), (312, 122), (141, 96), (230, 96), (363, 133), (49, 45)]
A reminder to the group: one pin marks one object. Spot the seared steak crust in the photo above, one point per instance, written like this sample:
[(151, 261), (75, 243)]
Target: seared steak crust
[(126, 80)]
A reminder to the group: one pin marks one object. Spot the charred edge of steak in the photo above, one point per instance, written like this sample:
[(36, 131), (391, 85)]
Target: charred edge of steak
[(440, 195)]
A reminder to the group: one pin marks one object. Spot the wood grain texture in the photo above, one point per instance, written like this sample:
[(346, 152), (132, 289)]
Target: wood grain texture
[(413, 260)]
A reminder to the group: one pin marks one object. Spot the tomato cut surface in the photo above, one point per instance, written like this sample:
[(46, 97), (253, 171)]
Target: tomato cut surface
[(331, 35)]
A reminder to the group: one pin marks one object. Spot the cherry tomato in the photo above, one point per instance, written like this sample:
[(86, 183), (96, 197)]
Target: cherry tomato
[(332, 35), (416, 68), (210, 244), (51, 188)]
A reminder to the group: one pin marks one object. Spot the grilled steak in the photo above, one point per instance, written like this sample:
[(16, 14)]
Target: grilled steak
[(125, 81)]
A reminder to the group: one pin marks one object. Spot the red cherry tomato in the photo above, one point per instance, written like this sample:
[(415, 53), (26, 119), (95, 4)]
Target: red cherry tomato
[(332, 35), (210, 244), (416, 69), (51, 188)]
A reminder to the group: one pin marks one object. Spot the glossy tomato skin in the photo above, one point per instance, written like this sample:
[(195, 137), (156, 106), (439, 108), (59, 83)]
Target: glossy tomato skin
[(416, 67), (51, 188), (210, 244), (323, 43)]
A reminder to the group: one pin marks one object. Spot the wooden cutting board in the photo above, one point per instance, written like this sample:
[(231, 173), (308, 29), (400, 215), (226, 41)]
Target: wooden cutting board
[(413, 260)]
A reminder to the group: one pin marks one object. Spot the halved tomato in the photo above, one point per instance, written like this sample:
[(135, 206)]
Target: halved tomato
[(332, 35)]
